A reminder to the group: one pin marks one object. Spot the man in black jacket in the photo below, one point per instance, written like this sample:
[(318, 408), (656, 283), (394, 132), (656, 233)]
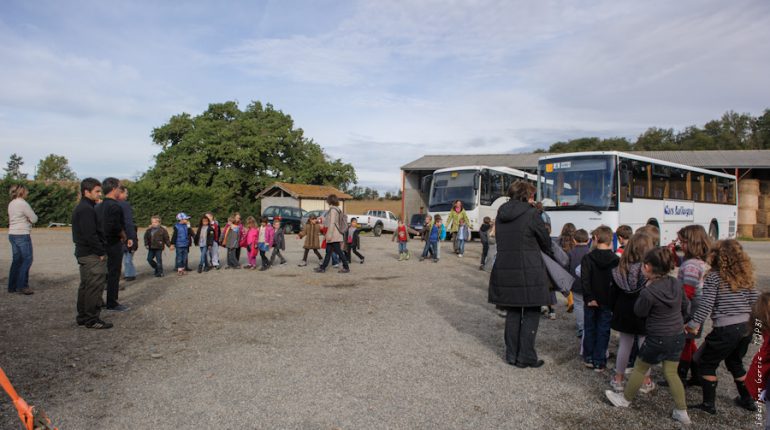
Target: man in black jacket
[(89, 251), (109, 214)]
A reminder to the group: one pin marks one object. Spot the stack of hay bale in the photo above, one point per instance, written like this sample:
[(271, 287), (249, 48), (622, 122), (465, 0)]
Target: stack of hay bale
[(753, 209)]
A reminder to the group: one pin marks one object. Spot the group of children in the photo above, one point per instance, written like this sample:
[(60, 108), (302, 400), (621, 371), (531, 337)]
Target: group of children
[(258, 239), (659, 316)]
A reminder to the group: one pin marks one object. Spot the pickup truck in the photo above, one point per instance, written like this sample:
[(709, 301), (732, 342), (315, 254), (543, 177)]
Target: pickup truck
[(377, 221)]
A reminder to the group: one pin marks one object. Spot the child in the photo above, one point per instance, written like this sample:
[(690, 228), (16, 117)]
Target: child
[(664, 306), (566, 242), (182, 239), (576, 255), (311, 233), (155, 239), (279, 241), (623, 233), (231, 238), (728, 296), (214, 250), (596, 277), (486, 225), (252, 231), (424, 235), (436, 232), (695, 243), (629, 281), (204, 238), (758, 378), (264, 239), (241, 236), (353, 240), (463, 234), (402, 235)]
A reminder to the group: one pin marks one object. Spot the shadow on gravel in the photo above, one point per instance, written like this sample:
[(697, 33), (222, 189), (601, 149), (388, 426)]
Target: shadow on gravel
[(476, 321)]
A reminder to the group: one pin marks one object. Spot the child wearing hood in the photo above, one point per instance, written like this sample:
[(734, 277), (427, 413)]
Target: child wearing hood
[(663, 303), (629, 280), (596, 278)]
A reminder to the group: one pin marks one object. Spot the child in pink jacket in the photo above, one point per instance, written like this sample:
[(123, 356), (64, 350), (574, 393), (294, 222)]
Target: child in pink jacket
[(252, 231)]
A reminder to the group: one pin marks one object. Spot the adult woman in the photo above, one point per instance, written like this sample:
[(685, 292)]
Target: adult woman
[(335, 224), (456, 214), (20, 220), (518, 281)]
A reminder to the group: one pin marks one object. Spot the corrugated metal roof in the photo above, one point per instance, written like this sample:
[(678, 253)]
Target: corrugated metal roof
[(742, 159)]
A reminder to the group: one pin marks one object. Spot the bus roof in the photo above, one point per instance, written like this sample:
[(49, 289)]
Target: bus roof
[(638, 158), (510, 171)]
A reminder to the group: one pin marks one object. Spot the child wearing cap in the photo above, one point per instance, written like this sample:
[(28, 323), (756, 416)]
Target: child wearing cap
[(181, 241)]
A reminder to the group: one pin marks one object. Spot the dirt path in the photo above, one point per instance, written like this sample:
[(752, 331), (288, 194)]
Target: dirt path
[(390, 345)]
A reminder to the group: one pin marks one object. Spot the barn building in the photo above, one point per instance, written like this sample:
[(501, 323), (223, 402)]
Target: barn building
[(307, 197)]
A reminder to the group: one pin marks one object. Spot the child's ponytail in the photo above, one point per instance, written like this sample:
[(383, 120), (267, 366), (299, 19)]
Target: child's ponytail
[(661, 261)]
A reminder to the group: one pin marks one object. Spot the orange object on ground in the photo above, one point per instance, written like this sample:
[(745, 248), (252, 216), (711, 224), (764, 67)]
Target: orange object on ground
[(31, 417)]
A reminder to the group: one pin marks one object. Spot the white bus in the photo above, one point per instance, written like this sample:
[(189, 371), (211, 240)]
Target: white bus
[(482, 190), (589, 189)]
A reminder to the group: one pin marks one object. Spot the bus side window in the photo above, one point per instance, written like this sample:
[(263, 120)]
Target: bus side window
[(678, 185), (639, 173), (496, 184), (626, 182)]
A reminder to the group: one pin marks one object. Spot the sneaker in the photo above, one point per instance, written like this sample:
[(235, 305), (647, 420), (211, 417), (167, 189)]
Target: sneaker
[(681, 416), (344, 271), (261, 269), (319, 270), (570, 308), (544, 310), (647, 388), (303, 264), (283, 262), (362, 260), (459, 256), (616, 386), (617, 399), (421, 259), (118, 308), (129, 278), (629, 370), (588, 365), (481, 267), (336, 266), (26, 292), (580, 335), (98, 325), (217, 267), (435, 260), (158, 275), (552, 316), (600, 369), (502, 313)]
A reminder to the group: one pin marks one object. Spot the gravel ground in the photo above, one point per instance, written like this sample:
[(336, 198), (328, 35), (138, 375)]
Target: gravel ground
[(389, 345)]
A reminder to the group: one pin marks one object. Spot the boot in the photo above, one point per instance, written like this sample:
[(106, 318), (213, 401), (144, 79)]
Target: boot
[(695, 379), (200, 268), (401, 257), (408, 255), (709, 397), (744, 399)]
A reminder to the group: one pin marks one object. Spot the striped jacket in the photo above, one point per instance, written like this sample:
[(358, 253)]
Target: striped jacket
[(725, 306)]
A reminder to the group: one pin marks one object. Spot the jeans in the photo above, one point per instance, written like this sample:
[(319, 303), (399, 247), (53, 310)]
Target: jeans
[(334, 248), (155, 258), (520, 331), (114, 263), (204, 262), (353, 250), (21, 249), (402, 248), (596, 335), (436, 250), (427, 249), (129, 270), (214, 254), (181, 257), (484, 252), (461, 246)]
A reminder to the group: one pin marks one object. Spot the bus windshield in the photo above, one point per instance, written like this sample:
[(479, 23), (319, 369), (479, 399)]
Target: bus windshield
[(451, 186), (578, 183)]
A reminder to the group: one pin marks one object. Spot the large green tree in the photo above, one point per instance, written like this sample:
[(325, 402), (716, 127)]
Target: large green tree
[(55, 168), (240, 152)]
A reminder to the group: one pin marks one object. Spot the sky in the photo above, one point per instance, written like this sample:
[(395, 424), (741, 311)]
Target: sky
[(376, 83)]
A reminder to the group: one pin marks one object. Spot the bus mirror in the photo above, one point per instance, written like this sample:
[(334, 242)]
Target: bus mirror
[(425, 184)]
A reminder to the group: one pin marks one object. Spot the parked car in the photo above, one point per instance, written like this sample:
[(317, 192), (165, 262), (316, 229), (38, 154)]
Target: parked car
[(318, 213), (291, 217), (416, 223), (378, 221)]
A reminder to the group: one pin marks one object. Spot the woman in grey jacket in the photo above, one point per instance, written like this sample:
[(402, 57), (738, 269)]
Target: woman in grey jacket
[(21, 217)]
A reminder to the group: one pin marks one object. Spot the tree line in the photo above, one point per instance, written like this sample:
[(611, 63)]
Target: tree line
[(731, 132)]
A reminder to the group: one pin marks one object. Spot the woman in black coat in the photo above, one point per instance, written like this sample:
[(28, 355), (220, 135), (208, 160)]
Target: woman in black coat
[(518, 281)]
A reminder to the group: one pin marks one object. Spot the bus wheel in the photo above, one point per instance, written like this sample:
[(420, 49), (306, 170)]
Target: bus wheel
[(714, 231)]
